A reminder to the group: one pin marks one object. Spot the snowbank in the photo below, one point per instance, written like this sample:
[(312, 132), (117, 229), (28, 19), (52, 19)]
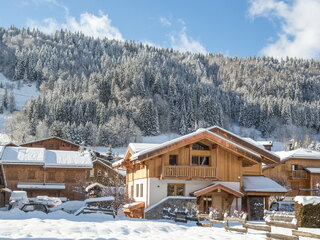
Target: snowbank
[(305, 200)]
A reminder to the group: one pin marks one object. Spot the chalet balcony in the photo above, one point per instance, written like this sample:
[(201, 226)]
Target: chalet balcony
[(299, 174), (189, 172)]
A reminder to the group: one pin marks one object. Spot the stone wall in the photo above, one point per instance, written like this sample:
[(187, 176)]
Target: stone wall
[(180, 203)]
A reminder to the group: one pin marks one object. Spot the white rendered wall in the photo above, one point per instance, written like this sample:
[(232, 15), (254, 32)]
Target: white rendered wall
[(158, 188), (139, 181)]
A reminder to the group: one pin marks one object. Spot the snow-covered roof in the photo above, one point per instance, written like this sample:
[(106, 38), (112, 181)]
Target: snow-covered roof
[(261, 184), (138, 147), (201, 130), (265, 142), (67, 159), (300, 153), (55, 186), (22, 155), (99, 199), (117, 163), (47, 158), (244, 139), (313, 169)]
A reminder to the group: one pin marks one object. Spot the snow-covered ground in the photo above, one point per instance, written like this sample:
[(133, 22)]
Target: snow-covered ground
[(59, 225), (22, 95)]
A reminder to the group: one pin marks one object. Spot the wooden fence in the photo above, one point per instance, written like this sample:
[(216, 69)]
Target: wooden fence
[(265, 228)]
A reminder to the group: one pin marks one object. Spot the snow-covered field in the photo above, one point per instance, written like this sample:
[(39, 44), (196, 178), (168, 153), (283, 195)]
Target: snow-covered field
[(22, 95), (60, 225)]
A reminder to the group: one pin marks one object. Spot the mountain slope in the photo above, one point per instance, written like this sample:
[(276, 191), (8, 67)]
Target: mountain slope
[(111, 92)]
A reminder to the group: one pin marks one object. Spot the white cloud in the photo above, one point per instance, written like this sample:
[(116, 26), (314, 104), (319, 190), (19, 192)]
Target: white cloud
[(184, 43), (165, 22), (300, 27), (89, 24)]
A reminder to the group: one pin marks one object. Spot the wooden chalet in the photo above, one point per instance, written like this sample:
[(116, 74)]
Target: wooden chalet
[(220, 169), (44, 172), (299, 170)]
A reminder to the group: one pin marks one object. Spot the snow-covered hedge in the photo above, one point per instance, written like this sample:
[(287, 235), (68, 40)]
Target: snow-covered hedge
[(307, 211)]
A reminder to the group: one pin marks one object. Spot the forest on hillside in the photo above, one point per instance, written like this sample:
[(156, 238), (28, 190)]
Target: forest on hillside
[(102, 92)]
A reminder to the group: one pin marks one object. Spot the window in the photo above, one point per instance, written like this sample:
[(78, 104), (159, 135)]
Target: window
[(296, 167), (99, 173), (51, 176), (92, 172), (175, 189), (132, 189), (141, 189), (200, 146), (137, 190), (200, 160), (173, 160), (31, 174)]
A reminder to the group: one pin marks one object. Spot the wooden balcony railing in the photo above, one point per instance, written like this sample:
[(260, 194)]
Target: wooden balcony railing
[(299, 174), (189, 172)]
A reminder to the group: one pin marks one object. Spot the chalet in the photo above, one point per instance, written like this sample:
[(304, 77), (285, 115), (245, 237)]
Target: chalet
[(57, 143), (298, 169), (45, 172), (101, 172), (212, 167)]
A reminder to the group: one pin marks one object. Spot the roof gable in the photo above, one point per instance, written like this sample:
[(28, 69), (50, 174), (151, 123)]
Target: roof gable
[(199, 135), (267, 156)]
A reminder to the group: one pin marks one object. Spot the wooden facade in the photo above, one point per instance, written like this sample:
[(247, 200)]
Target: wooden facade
[(292, 173), (198, 159), (74, 180)]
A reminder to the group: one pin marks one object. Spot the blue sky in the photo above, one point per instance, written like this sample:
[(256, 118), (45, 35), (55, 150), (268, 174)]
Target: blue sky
[(231, 27)]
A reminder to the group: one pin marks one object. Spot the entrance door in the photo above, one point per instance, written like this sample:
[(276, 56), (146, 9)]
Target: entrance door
[(207, 203), (256, 205)]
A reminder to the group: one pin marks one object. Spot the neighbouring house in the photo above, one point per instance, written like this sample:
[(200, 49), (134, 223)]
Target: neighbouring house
[(298, 170), (39, 171), (212, 168), (101, 172), (57, 143)]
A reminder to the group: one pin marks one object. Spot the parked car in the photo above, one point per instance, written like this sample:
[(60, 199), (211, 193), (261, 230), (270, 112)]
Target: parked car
[(282, 206), (30, 207), (18, 199), (49, 201)]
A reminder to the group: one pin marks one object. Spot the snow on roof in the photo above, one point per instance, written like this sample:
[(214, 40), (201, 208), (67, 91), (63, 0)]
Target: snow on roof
[(244, 139), (253, 142), (201, 130), (99, 199), (313, 169), (138, 147), (48, 158), (300, 153), (261, 184), (305, 200), (23, 155), (65, 159), (117, 163), (265, 142), (55, 186)]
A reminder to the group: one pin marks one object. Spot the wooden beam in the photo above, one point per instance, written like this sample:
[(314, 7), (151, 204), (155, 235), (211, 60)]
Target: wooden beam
[(269, 158)]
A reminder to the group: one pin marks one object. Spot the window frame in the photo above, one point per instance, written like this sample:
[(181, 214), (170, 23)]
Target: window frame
[(137, 190), (175, 185), (199, 160), (141, 190)]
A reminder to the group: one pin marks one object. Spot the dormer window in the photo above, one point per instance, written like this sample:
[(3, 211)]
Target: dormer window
[(199, 146)]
